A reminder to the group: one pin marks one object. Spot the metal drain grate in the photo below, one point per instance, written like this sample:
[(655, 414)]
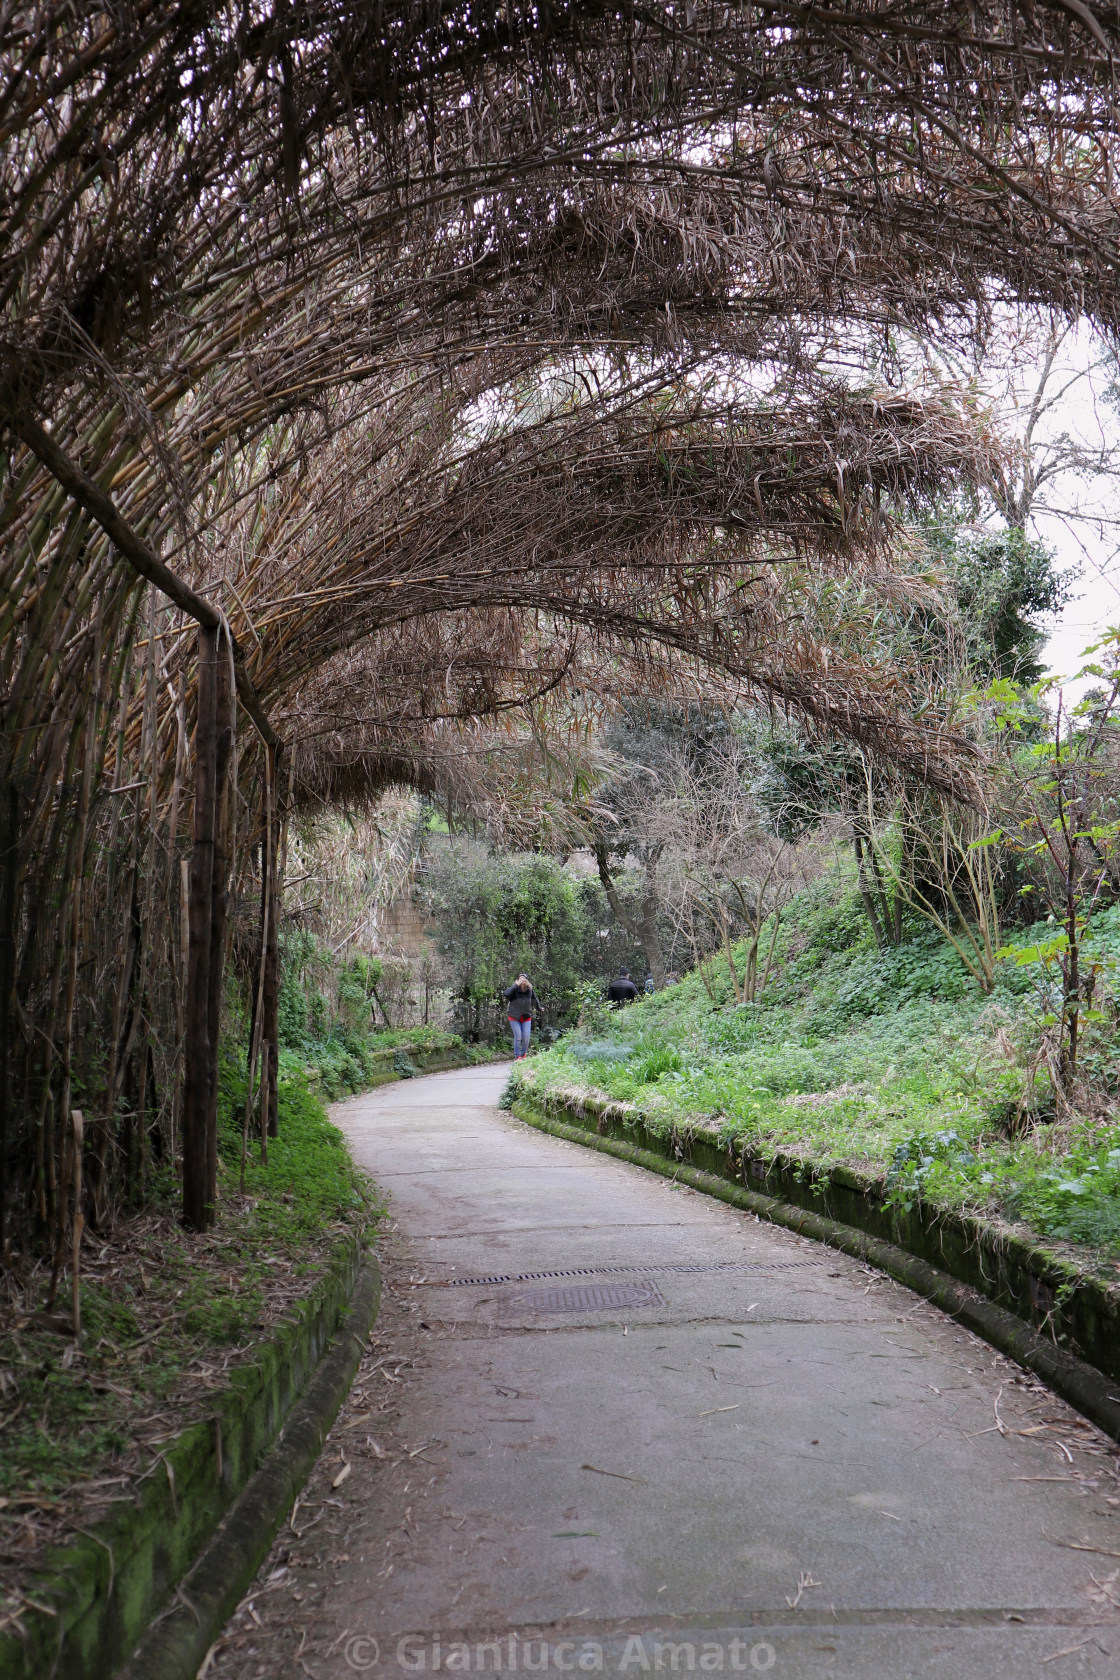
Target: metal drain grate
[(611, 1271), (590, 1297)]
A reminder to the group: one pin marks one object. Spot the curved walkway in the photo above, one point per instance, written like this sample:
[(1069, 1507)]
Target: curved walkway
[(612, 1425)]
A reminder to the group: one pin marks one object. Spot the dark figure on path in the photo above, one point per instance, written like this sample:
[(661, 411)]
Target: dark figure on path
[(622, 990), (521, 1001)]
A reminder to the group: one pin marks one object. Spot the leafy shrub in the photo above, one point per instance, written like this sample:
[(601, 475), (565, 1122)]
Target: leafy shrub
[(1078, 1200), (358, 979), (912, 1160), (831, 926), (497, 917)]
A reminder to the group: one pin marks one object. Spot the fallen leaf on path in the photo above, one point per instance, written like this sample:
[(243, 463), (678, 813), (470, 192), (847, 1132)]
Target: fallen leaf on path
[(341, 1477)]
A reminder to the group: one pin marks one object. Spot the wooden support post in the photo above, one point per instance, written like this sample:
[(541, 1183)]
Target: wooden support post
[(197, 1203), (270, 1025)]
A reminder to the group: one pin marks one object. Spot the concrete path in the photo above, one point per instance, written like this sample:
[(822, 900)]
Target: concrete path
[(610, 1425)]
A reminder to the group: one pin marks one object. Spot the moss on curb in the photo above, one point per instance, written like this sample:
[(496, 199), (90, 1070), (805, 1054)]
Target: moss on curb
[(94, 1596), (422, 1060), (400, 1061), (176, 1644), (1031, 1303)]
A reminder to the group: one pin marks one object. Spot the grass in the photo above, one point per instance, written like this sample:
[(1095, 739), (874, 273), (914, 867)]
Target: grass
[(166, 1316), (890, 1061), (162, 1309), (309, 1181)]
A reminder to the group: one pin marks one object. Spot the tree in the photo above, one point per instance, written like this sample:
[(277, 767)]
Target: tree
[(940, 859), (1063, 815), (497, 915), (1046, 368), (654, 744)]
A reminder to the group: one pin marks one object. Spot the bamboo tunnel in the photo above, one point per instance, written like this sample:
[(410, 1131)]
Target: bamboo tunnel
[(429, 389)]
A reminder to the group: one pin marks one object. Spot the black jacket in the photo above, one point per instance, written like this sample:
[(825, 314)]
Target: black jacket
[(520, 1002), (622, 991)]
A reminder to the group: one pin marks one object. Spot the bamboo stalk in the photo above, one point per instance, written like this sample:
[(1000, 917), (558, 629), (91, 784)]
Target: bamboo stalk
[(225, 716), (9, 883), (77, 1125), (270, 999), (259, 999), (196, 1046)]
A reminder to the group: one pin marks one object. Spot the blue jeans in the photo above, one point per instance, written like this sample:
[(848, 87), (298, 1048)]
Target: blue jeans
[(521, 1031)]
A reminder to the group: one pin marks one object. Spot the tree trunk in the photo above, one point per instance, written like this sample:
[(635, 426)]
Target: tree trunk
[(890, 920), (651, 939), (725, 930), (644, 929), (864, 892)]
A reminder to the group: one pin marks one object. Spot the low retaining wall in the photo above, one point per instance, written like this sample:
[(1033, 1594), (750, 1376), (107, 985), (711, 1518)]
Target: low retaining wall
[(401, 1061), (1044, 1311), (388, 1062), (90, 1604)]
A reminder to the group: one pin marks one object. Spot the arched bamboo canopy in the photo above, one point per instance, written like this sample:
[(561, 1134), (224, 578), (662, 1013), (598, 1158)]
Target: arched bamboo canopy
[(449, 360)]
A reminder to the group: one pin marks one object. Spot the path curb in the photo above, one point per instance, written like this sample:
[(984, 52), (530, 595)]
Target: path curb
[(1088, 1390), (386, 1068), (96, 1593), (176, 1644)]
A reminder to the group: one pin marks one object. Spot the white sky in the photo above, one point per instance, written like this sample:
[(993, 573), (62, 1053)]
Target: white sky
[(1081, 517)]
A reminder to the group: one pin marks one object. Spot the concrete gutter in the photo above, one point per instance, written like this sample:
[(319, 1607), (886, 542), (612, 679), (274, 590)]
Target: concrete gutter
[(96, 1595), (177, 1643), (981, 1252)]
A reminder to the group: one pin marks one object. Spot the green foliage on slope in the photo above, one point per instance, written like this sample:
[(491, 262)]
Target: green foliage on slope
[(889, 1060)]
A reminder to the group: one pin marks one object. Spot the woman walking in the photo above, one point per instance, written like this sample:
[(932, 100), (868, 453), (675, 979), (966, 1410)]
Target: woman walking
[(521, 1000)]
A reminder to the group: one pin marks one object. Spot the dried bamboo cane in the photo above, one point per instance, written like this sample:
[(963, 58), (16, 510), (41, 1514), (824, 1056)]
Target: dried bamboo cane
[(258, 1002), (196, 1046), (270, 1001), (9, 884), (225, 719), (77, 1125), (65, 1180), (265, 1082), (75, 940)]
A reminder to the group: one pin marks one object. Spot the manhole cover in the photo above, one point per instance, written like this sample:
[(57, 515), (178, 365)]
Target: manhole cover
[(590, 1297)]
